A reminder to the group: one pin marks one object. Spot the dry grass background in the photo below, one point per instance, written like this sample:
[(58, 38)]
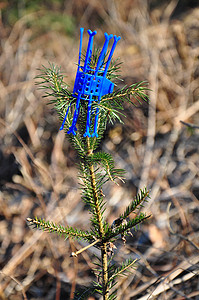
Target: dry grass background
[(38, 174)]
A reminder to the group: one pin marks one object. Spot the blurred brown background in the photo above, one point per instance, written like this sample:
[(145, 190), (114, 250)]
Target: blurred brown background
[(38, 174)]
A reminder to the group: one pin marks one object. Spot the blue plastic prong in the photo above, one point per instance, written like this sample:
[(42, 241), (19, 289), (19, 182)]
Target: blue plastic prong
[(80, 46), (63, 123), (116, 39), (96, 123), (103, 52), (89, 48), (76, 113), (87, 133)]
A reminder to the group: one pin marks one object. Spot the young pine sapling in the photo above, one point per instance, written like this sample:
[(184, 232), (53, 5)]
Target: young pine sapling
[(84, 114)]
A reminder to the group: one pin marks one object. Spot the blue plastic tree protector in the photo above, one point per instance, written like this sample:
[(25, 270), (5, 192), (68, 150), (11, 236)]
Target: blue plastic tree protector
[(91, 84)]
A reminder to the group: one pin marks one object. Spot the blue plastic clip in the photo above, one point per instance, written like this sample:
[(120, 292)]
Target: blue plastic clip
[(91, 84)]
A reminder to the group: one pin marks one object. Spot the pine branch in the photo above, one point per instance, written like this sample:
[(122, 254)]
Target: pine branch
[(129, 263), (61, 230), (125, 226), (112, 104), (107, 162), (138, 200), (52, 79), (135, 91)]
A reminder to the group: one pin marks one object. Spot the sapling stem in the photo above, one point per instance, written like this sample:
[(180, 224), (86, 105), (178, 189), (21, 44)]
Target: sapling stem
[(101, 227)]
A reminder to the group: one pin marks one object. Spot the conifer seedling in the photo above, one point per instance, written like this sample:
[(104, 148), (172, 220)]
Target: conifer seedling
[(84, 115)]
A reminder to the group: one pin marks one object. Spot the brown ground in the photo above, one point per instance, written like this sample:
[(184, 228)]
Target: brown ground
[(38, 175)]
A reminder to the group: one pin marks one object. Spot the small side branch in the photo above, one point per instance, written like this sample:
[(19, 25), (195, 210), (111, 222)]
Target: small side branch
[(74, 254)]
